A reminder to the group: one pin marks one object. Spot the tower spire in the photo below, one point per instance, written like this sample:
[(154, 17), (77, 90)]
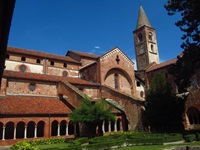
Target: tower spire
[(142, 19)]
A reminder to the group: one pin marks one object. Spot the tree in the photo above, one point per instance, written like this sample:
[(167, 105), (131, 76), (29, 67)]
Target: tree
[(90, 115), (189, 61), (163, 110)]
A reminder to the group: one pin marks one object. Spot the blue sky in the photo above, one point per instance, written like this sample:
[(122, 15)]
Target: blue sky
[(92, 26)]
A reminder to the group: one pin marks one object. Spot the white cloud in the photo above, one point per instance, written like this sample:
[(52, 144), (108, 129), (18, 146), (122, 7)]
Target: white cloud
[(97, 47)]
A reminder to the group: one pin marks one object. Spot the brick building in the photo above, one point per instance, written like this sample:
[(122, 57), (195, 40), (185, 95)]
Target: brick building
[(39, 90)]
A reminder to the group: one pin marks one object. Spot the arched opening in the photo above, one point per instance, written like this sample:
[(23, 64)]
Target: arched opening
[(193, 115), (30, 129), (118, 124), (106, 124), (112, 125), (9, 132), (40, 129), (71, 128), (116, 79), (54, 128), (1, 130), (140, 38), (20, 130), (63, 127)]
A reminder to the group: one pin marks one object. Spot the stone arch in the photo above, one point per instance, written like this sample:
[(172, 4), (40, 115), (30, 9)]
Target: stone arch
[(71, 128), (30, 129), (20, 130), (9, 131), (54, 128), (119, 124), (1, 130), (40, 129), (193, 115), (121, 78), (63, 124)]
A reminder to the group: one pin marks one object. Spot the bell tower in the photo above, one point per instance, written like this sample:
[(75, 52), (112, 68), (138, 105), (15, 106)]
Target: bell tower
[(145, 42)]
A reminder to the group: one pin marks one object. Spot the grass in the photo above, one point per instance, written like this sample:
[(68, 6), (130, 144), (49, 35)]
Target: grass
[(158, 147)]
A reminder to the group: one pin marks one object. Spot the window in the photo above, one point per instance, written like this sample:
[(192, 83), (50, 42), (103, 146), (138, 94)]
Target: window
[(140, 38), (7, 56), (194, 83), (23, 58), (32, 87), (116, 80), (64, 65), (65, 73), (138, 84), (142, 94), (52, 63), (22, 68), (150, 35), (152, 48), (38, 61)]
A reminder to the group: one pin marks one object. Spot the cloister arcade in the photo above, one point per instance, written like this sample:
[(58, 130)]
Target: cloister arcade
[(12, 130)]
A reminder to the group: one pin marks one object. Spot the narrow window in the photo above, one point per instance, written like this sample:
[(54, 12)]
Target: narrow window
[(7, 56), (23, 58), (116, 80), (152, 48), (150, 36), (140, 38), (64, 65), (138, 84), (38, 61), (52, 63)]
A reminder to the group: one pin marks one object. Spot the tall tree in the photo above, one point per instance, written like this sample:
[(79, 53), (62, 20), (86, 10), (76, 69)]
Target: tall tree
[(163, 110), (189, 61), (90, 115)]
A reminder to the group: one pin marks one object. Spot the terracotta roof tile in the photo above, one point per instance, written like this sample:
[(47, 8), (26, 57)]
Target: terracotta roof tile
[(32, 105), (83, 54), (40, 54), (158, 66), (43, 77)]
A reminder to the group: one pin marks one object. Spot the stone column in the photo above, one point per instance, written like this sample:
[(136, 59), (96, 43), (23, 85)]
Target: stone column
[(35, 132), (103, 127), (115, 126), (109, 127), (25, 132), (15, 130), (67, 133), (3, 134), (58, 130)]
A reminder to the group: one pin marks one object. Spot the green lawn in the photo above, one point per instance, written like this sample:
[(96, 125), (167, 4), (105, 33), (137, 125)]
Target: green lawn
[(158, 147)]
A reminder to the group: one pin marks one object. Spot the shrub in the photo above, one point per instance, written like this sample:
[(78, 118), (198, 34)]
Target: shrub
[(23, 145), (190, 137)]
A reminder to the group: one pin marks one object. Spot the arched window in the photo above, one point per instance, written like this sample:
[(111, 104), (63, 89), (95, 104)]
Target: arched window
[(65, 73), (150, 35), (116, 80), (193, 115), (140, 38), (22, 68)]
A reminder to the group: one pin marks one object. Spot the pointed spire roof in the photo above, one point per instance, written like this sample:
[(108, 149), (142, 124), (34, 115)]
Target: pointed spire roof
[(142, 19)]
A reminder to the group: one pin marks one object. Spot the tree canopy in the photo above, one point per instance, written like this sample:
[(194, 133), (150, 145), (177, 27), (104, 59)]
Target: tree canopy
[(163, 110), (93, 113), (189, 23)]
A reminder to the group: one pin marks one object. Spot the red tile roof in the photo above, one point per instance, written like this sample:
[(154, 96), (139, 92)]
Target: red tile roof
[(43, 77), (83, 54), (40, 54), (13, 105), (158, 66)]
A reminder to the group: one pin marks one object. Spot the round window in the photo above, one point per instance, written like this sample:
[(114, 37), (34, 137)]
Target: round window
[(65, 73), (32, 87), (22, 68)]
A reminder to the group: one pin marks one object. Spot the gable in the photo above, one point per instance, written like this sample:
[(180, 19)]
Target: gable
[(120, 54)]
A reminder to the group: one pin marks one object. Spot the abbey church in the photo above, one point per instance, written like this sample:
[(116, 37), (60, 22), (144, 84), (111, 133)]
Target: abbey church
[(39, 90)]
